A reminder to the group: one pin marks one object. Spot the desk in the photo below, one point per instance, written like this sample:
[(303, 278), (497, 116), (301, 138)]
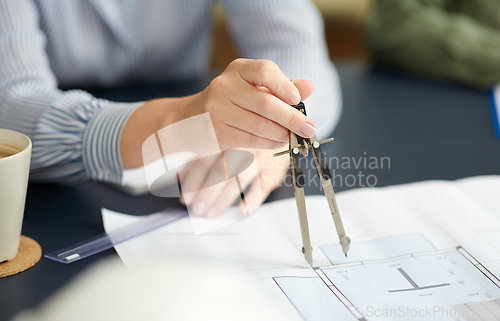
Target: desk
[(428, 130)]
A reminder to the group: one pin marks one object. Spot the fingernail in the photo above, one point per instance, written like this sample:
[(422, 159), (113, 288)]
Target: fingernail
[(308, 130), (283, 143), (212, 212), (199, 208), (294, 98), (249, 208)]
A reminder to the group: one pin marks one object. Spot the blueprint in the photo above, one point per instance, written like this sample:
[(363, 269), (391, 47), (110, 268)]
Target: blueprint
[(446, 285), (422, 251)]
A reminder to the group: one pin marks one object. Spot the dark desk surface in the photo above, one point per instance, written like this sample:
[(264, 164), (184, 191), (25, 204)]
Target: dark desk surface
[(428, 130)]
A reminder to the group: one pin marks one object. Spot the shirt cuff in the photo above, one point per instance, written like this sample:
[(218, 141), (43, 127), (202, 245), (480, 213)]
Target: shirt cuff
[(101, 141)]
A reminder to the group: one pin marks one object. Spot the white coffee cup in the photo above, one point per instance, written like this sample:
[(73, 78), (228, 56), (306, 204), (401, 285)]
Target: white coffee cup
[(15, 156)]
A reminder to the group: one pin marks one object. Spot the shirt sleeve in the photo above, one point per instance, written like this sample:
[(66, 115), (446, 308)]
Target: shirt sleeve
[(290, 33), (429, 37), (75, 136)]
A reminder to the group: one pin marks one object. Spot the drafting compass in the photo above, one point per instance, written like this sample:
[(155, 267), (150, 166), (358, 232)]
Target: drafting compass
[(300, 145)]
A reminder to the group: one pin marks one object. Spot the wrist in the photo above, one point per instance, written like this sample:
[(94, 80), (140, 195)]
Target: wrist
[(145, 121), (173, 110)]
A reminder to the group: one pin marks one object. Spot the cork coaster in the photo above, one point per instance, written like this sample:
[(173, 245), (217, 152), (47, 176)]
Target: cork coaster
[(28, 255)]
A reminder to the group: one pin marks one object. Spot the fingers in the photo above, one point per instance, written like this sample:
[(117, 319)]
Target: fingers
[(220, 188), (205, 201), (220, 199), (271, 173), (305, 87), (271, 107), (214, 199), (249, 140), (255, 196), (255, 124), (194, 174), (267, 74)]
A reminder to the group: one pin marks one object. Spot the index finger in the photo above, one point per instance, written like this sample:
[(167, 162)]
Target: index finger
[(265, 73), (273, 105)]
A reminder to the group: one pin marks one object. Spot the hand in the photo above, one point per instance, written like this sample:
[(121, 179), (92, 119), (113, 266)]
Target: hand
[(249, 105), (215, 199)]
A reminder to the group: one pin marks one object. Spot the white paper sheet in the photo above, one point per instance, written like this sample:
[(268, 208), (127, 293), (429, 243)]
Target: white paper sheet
[(431, 217)]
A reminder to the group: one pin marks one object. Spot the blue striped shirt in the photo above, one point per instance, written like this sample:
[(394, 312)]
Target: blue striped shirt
[(48, 44)]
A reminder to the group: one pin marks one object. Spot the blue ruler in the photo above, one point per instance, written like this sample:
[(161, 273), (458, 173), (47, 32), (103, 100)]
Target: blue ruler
[(495, 109)]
